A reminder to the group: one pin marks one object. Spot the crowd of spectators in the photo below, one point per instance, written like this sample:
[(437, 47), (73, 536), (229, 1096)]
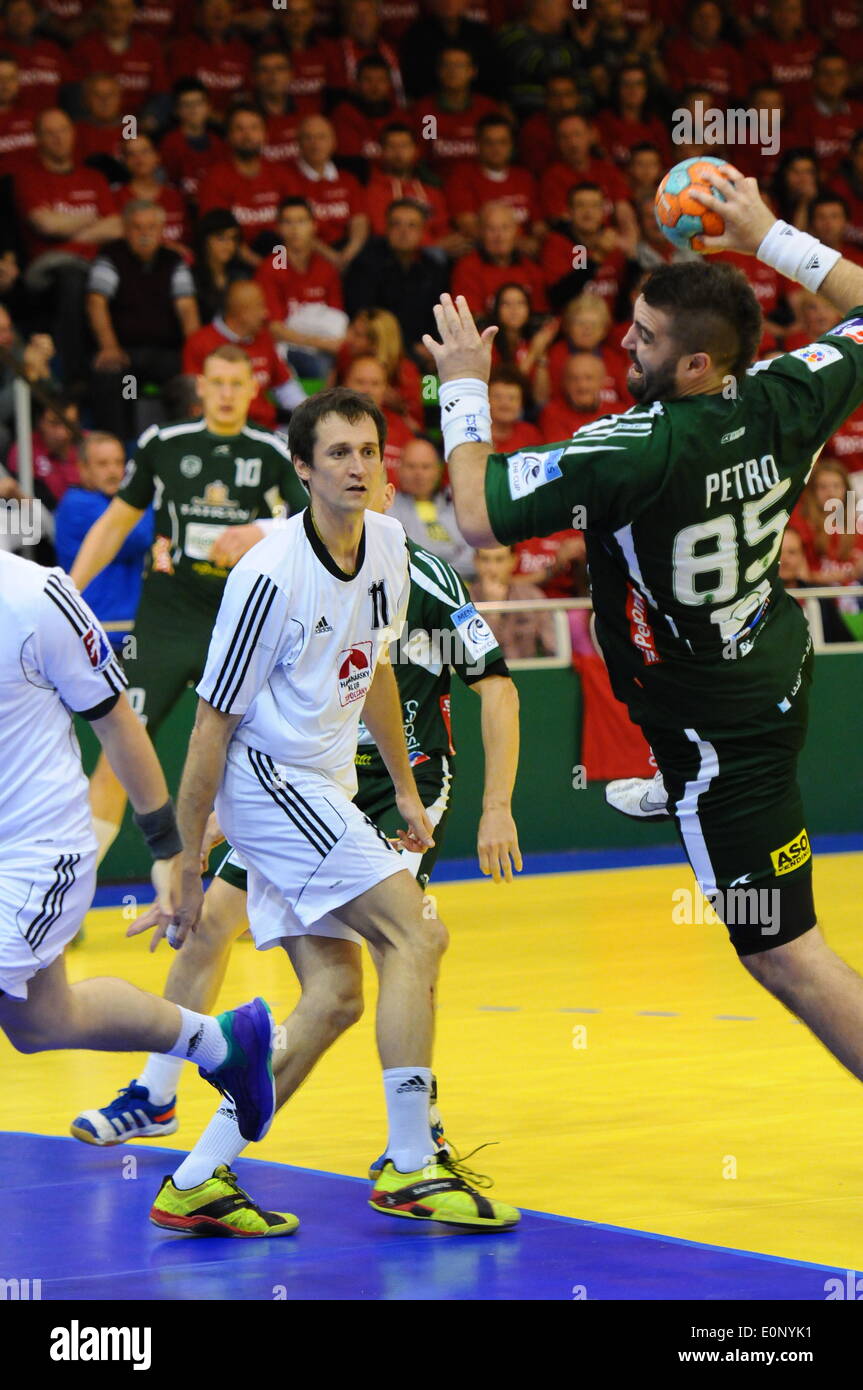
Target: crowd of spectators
[(305, 180)]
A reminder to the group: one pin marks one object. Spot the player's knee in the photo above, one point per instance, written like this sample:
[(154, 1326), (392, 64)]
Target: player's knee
[(343, 1010), (780, 968), (430, 940)]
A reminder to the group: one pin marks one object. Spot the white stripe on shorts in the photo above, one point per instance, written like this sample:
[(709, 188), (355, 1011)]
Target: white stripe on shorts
[(687, 813)]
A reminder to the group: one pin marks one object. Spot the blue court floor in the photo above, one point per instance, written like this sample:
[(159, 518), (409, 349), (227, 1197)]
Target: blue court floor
[(76, 1219)]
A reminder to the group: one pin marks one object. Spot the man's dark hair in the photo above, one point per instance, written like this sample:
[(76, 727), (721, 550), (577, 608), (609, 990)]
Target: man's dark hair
[(372, 60), (826, 200), (584, 187), (712, 308), (396, 128), (507, 374), (352, 406), (294, 201), (493, 119), (242, 108), (406, 203)]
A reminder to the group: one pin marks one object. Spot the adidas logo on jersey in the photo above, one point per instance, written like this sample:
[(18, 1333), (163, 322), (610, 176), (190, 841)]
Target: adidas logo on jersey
[(323, 626)]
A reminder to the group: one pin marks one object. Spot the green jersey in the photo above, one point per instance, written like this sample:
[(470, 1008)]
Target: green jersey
[(443, 633), (684, 504), (199, 483)]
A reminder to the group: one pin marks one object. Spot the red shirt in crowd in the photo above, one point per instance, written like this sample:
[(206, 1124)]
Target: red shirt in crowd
[(106, 140), (398, 435), (310, 71), (456, 130), (560, 420), (383, 189), (521, 435), (479, 280), (286, 289), (140, 71), (43, 68), (343, 56), (268, 367), (767, 283), (470, 185), (334, 199), (610, 272), (617, 136), (186, 164), (840, 185), (720, 69), (829, 136), (176, 226), (533, 558), (56, 475), (16, 133), (281, 143), (357, 134), (785, 63), (253, 201), (559, 178), (846, 444), (223, 68), (821, 565), (81, 190), (537, 144)]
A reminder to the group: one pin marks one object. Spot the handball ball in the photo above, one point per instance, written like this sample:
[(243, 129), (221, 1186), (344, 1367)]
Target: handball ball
[(680, 216)]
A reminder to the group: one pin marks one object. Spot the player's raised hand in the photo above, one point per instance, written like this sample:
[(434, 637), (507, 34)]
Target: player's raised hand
[(419, 835), (497, 845), (462, 350), (747, 217)]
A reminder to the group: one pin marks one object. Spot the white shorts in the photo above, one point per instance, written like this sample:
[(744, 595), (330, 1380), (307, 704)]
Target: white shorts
[(307, 848), (41, 910)]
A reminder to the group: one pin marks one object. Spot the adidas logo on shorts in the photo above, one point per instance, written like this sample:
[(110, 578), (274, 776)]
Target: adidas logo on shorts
[(323, 626)]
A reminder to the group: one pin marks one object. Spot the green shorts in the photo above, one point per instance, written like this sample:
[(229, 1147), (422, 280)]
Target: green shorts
[(739, 814), (376, 800), (167, 652)]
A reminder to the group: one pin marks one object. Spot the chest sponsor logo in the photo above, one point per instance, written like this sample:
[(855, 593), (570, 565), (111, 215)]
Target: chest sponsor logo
[(792, 855), (474, 631), (817, 355), (851, 328), (355, 672), (190, 465), (528, 471), (97, 648), (216, 494), (640, 632)]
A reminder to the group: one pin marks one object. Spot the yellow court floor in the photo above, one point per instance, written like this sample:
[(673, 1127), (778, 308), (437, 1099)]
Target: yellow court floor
[(629, 1068)]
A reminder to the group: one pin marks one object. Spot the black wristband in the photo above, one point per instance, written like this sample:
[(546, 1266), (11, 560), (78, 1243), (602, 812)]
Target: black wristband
[(159, 829)]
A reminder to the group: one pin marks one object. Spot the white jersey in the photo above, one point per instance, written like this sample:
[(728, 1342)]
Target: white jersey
[(54, 658), (296, 643)]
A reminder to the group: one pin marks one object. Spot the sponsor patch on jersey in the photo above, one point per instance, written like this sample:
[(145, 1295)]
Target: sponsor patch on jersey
[(851, 328), (817, 355), (640, 632), (190, 465), (792, 855), (97, 647), (474, 631), (528, 471), (355, 672)]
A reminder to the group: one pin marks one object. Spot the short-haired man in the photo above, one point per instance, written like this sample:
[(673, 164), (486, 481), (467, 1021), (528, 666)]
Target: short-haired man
[(141, 306), (246, 183), (685, 498), (395, 176), (204, 476), (336, 198), (193, 147), (497, 261), (114, 594), (298, 283), (294, 663), (396, 272), (493, 177)]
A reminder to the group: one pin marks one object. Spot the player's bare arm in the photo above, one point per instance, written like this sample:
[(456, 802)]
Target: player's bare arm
[(133, 758), (104, 540), (464, 354), (497, 836), (382, 716), (748, 220), (202, 774)]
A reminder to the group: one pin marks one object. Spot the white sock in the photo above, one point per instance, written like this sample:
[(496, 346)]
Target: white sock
[(161, 1076), (407, 1091), (201, 1040), (221, 1142), (106, 833)]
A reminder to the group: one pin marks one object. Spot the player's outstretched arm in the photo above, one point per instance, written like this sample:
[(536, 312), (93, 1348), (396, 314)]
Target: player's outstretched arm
[(104, 540), (382, 716), (463, 356), (497, 836), (752, 228)]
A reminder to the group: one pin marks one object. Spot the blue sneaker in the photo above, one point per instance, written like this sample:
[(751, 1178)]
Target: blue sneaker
[(438, 1138), (132, 1115), (246, 1075)]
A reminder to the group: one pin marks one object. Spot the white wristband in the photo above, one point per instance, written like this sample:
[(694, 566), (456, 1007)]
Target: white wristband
[(465, 413), (797, 255)]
